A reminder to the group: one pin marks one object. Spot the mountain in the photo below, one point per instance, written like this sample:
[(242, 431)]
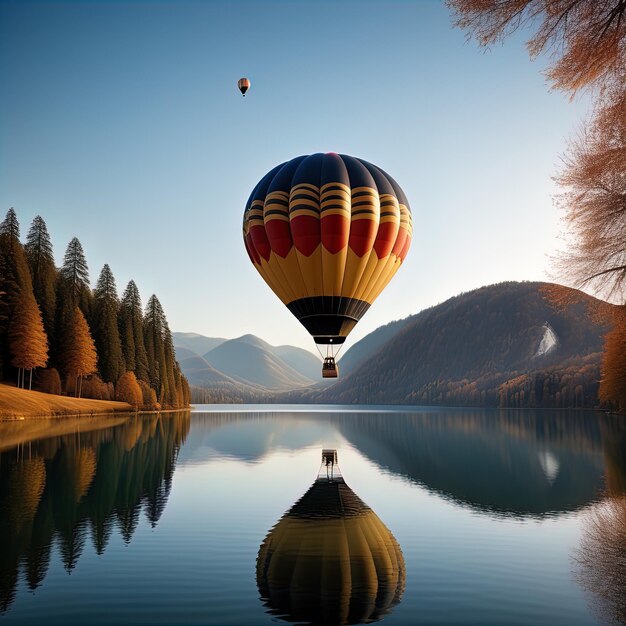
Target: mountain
[(198, 344), (301, 360), (368, 346), (183, 353), (253, 360), (505, 344)]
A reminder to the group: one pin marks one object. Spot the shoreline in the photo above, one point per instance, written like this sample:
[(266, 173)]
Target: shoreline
[(21, 405)]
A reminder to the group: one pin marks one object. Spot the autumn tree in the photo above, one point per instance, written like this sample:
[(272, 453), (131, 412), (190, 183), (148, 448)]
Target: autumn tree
[(50, 381), (27, 338), (131, 332), (585, 38), (128, 390), (587, 43), (43, 272), (105, 327), (613, 383), (79, 352), (594, 181)]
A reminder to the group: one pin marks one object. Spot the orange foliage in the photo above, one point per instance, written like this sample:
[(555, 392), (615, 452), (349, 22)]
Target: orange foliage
[(149, 396), (50, 381), (27, 337), (613, 383), (80, 352), (128, 390), (94, 387), (586, 37)]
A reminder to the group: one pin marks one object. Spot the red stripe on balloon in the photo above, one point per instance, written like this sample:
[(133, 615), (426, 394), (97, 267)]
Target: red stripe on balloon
[(400, 241), (305, 231), (279, 236), (405, 249), (335, 232), (362, 236), (386, 237), (260, 241)]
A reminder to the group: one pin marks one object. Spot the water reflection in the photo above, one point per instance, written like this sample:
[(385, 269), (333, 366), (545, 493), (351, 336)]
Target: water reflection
[(600, 562), (330, 559), (522, 463), (60, 489)]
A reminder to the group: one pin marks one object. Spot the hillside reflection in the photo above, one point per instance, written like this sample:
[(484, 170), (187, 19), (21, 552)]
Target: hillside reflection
[(523, 463), (60, 490), (330, 559)]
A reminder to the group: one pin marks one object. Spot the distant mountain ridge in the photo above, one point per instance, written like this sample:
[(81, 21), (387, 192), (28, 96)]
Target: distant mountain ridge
[(247, 361), (502, 345)]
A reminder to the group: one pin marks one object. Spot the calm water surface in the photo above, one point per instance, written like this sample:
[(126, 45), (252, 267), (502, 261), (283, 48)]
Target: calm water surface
[(443, 516)]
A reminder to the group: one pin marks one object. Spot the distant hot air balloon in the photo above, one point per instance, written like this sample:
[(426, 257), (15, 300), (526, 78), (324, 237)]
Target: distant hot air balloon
[(327, 232), (244, 85)]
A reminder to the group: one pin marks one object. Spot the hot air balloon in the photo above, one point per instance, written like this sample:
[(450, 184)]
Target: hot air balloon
[(327, 232), (244, 85), (330, 559)]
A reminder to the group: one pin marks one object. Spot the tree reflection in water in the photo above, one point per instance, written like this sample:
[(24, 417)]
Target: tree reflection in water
[(600, 562), (330, 559), (63, 488)]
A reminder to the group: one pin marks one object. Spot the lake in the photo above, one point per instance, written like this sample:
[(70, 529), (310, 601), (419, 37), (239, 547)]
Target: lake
[(226, 515)]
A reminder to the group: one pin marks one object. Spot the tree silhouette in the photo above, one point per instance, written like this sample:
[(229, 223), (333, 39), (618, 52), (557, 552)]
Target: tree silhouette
[(131, 332), (43, 272), (14, 281), (105, 327)]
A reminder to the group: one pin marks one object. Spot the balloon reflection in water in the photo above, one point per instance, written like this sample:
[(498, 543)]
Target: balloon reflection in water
[(330, 559)]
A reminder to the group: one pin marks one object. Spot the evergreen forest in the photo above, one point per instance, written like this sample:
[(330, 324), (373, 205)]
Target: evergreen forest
[(60, 336)]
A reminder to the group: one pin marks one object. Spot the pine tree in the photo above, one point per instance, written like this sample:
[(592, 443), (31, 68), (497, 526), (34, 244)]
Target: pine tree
[(131, 332), (171, 399), (163, 370), (14, 279), (72, 291), (10, 226), (43, 272), (27, 338), (105, 327), (155, 348), (75, 275), (79, 355)]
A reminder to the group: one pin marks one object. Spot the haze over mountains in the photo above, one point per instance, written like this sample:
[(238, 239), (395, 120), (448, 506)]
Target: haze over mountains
[(501, 345), (247, 361)]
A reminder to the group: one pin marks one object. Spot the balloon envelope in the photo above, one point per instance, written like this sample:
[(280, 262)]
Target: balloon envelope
[(243, 84), (327, 232), (330, 560)]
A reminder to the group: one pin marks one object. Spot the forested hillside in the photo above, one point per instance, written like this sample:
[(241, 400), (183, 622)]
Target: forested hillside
[(502, 345), (58, 335)]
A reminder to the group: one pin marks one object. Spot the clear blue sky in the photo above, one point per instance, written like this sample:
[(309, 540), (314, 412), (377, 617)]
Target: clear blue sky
[(121, 124)]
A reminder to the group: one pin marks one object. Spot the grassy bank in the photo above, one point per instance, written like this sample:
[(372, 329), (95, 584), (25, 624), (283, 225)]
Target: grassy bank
[(22, 403)]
